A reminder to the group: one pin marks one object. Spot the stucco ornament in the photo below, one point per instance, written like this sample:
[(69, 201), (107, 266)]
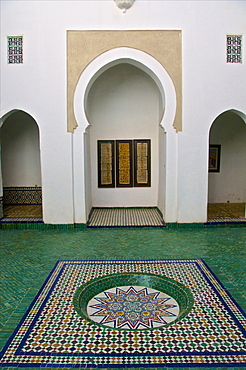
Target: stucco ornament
[(124, 4)]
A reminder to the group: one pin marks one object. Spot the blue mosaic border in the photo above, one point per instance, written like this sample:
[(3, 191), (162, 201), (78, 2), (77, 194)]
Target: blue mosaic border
[(229, 295), (214, 284)]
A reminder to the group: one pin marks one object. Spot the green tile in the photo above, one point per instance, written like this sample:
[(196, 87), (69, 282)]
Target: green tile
[(27, 255)]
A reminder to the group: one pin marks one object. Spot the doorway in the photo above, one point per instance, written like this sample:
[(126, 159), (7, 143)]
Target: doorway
[(124, 106), (148, 70), (21, 168), (227, 171)]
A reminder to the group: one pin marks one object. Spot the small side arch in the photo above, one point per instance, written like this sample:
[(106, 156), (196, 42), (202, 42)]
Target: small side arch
[(21, 182), (226, 182), (237, 112)]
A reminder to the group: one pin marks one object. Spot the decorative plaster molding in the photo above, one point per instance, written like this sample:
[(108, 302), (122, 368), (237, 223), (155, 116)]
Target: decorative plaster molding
[(124, 4), (87, 55)]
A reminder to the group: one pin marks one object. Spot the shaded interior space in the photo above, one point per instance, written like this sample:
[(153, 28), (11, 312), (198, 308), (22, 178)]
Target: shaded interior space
[(227, 175), (22, 211), (21, 168), (124, 101), (226, 211), (120, 217)]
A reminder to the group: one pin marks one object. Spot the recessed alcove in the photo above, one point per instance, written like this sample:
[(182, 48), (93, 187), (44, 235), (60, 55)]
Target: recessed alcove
[(124, 102)]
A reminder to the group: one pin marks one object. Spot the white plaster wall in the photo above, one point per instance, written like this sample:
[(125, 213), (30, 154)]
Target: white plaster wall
[(39, 88), (162, 171), (20, 151), (123, 103), (229, 185), (210, 85), (88, 171)]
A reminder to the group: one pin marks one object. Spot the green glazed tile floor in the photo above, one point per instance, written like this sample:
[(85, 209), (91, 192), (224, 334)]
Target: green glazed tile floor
[(27, 257)]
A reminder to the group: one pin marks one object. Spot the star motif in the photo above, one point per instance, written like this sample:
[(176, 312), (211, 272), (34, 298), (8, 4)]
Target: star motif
[(133, 308)]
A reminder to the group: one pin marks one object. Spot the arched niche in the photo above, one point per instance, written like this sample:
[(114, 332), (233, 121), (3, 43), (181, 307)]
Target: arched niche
[(123, 70), (124, 102), (226, 184), (20, 159), (87, 48), (165, 191), (137, 58)]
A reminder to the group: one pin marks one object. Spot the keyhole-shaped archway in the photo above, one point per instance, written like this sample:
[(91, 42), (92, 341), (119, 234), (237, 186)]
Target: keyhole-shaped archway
[(124, 103), (165, 192)]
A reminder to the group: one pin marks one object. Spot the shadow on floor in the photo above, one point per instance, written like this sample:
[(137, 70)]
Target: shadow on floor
[(22, 211), (216, 211), (226, 210)]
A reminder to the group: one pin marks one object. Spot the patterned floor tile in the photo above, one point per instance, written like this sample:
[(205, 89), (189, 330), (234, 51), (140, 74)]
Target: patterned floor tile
[(218, 213), (27, 256), (52, 333), (22, 211), (226, 210), (126, 217), (132, 307), (16, 220), (22, 214)]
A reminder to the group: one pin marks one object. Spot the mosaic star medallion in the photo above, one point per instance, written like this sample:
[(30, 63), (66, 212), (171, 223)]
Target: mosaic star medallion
[(134, 307), (53, 334)]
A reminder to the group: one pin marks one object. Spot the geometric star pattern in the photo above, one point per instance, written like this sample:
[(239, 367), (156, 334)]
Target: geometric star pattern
[(133, 307), (53, 334)]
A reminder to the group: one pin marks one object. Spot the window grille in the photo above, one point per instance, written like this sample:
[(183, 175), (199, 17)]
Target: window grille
[(15, 49), (234, 48)]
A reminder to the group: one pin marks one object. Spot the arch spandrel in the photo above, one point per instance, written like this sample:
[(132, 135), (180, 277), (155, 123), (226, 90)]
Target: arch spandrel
[(85, 47), (139, 59)]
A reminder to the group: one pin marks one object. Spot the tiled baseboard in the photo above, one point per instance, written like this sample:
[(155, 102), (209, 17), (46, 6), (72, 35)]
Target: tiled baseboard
[(22, 195)]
